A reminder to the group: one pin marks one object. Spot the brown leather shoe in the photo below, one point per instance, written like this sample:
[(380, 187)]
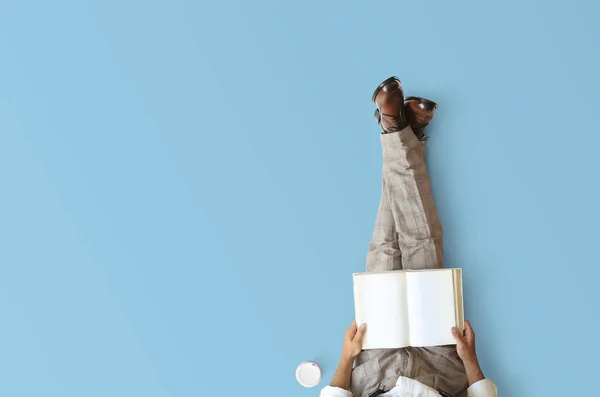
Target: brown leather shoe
[(389, 98), (419, 112)]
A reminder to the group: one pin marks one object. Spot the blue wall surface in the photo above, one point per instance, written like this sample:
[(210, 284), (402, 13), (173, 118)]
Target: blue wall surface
[(187, 186)]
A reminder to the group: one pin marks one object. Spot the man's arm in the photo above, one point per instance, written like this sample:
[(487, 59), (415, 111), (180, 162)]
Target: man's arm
[(474, 373), (465, 346), (353, 341), (479, 386), (342, 375)]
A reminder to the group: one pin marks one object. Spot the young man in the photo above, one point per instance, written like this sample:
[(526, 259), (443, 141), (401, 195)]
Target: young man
[(407, 235)]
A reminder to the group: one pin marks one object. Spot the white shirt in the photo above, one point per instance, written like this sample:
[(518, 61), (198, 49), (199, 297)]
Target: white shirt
[(406, 387)]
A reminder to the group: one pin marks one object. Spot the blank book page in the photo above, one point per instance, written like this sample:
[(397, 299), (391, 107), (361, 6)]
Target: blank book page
[(431, 309), (380, 302)]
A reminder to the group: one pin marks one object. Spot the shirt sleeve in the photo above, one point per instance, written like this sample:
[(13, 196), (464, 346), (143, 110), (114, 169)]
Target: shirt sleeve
[(330, 391), (483, 388)]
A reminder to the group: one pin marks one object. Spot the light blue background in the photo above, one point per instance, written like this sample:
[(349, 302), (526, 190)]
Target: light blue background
[(186, 187)]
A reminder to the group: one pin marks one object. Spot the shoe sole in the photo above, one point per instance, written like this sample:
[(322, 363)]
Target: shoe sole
[(423, 100), (393, 78)]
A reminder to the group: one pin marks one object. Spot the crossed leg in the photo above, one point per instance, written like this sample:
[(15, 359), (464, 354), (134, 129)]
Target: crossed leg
[(407, 233)]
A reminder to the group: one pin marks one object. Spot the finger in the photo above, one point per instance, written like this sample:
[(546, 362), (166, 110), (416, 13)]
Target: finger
[(360, 333), (352, 327), (469, 333), (351, 331), (457, 336)]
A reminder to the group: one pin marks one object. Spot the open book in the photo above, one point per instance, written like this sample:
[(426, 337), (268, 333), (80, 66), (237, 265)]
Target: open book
[(409, 307)]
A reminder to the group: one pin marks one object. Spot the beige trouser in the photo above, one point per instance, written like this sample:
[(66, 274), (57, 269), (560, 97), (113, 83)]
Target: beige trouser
[(407, 235)]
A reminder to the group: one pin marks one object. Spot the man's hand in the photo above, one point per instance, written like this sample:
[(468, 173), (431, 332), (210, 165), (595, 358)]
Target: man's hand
[(465, 347), (353, 341)]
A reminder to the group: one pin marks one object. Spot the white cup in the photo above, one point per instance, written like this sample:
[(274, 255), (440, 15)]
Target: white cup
[(309, 374)]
